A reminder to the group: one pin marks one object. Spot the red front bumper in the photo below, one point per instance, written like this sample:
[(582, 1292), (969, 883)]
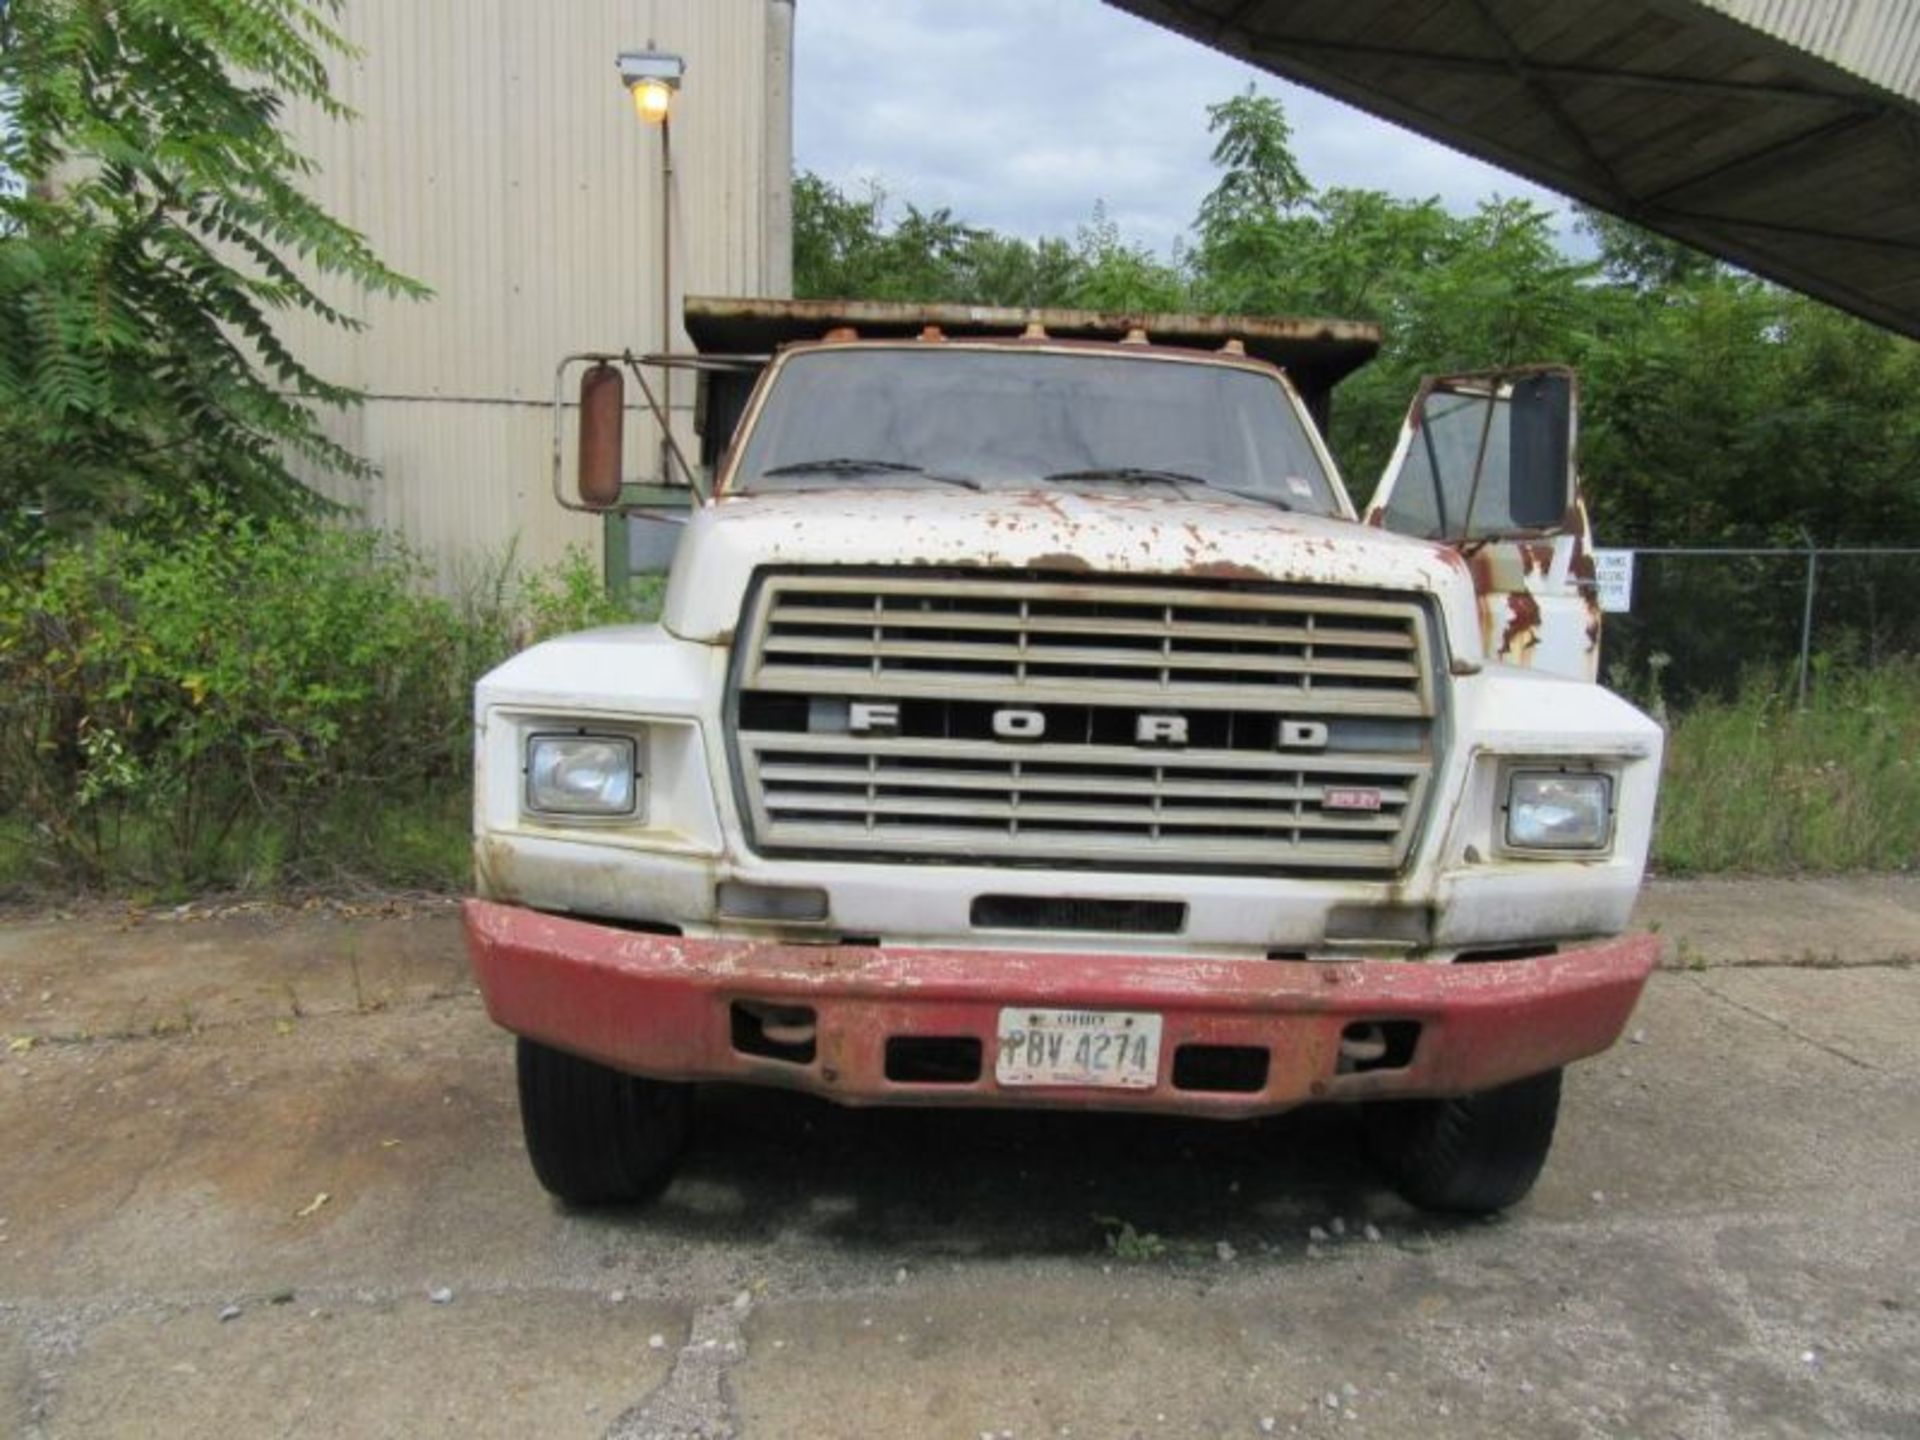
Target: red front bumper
[(663, 1006)]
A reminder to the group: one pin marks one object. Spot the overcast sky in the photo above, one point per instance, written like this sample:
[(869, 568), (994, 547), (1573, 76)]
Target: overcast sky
[(1021, 114)]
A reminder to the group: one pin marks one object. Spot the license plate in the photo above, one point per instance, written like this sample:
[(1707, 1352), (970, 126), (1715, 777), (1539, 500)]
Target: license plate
[(1113, 1049)]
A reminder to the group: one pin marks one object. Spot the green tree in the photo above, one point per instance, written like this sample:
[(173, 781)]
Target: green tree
[(1116, 275), (1253, 229), (1259, 176), (1639, 258), (155, 233), (1452, 292), (1716, 408), (845, 246), (1006, 270), (836, 239)]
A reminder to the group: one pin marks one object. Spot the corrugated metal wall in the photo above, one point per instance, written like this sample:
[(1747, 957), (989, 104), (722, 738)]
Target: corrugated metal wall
[(497, 159), (1878, 40)]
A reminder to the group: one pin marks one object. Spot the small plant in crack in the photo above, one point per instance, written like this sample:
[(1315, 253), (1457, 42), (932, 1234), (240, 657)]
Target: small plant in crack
[(1124, 1242)]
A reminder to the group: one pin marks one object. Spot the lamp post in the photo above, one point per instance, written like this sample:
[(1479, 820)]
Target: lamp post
[(652, 78)]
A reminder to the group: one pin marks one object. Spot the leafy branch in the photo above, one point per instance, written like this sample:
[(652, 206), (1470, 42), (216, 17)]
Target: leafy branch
[(154, 241)]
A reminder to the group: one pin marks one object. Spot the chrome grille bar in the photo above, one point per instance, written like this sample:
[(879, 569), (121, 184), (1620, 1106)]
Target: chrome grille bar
[(944, 651)]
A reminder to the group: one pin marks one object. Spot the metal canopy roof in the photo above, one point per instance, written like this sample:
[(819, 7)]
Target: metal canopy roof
[(1748, 128)]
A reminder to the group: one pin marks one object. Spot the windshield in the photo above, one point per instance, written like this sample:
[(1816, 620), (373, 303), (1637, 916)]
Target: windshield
[(991, 419)]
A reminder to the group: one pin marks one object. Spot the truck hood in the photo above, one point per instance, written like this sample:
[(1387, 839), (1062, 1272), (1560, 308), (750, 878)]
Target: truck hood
[(1064, 532)]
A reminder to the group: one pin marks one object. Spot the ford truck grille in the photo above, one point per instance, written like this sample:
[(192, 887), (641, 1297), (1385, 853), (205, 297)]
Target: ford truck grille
[(1007, 718)]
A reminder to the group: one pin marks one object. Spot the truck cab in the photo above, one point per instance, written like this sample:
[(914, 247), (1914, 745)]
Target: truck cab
[(1034, 720)]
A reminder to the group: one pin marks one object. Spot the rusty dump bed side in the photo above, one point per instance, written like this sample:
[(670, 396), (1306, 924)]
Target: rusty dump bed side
[(1316, 353)]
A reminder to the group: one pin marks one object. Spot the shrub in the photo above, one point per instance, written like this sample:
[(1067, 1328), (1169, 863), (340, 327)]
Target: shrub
[(243, 669), (244, 701)]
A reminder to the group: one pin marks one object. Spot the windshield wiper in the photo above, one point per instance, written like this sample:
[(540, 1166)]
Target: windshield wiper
[(834, 464), (1150, 474), (1128, 472), (857, 465)]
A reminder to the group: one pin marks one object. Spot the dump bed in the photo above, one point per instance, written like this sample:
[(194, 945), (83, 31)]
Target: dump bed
[(1316, 353)]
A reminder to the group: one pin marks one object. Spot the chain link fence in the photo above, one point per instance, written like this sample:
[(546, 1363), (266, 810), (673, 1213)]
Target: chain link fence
[(1703, 618)]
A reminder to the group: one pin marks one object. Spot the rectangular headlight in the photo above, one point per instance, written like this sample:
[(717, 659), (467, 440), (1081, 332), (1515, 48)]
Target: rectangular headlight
[(585, 775), (1552, 810)]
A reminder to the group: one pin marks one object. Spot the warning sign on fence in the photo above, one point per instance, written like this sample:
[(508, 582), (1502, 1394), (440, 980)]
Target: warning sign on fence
[(1613, 578)]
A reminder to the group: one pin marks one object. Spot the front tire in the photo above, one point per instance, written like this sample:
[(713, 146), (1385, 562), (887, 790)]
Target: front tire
[(1469, 1156), (597, 1136)]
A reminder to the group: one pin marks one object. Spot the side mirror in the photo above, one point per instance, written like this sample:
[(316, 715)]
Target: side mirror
[(1540, 428), (598, 484), (602, 420)]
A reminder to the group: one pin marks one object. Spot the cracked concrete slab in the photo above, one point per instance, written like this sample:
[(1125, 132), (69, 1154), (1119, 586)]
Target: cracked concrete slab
[(1723, 1244), (510, 1364), (1866, 1019), (1785, 920), (696, 1401), (1493, 1332), (17, 1396)]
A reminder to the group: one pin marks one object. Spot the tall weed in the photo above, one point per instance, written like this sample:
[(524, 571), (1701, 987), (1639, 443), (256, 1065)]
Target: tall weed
[(1758, 784)]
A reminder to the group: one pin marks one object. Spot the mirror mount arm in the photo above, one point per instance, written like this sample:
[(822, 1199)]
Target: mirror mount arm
[(664, 421), (1479, 463), (1433, 465)]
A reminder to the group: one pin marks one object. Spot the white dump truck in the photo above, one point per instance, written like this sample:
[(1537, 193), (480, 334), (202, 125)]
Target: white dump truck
[(1033, 720)]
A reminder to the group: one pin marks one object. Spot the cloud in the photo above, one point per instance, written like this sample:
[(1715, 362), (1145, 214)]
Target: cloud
[(1023, 114)]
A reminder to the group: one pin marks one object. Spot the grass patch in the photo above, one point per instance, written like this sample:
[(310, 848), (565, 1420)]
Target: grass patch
[(415, 842), (16, 856), (354, 843), (1756, 784)]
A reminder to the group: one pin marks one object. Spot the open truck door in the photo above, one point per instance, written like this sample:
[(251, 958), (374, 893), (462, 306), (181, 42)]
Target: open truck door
[(1485, 465)]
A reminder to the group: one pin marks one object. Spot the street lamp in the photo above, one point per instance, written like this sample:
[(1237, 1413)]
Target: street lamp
[(652, 78)]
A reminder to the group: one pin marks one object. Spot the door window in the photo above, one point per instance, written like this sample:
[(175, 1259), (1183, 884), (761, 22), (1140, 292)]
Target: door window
[(1488, 456)]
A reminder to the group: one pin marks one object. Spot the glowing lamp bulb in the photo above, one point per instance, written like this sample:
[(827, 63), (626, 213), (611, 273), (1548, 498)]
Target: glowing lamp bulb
[(651, 100)]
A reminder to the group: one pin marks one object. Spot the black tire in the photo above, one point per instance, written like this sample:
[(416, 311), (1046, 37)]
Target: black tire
[(1470, 1156), (596, 1136)]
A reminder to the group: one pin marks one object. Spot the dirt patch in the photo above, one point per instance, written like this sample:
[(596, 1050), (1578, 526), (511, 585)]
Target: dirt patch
[(146, 973)]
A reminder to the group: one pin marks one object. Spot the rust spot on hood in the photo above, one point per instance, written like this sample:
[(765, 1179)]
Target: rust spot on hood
[(1536, 558), (1225, 570), (1522, 634), (1480, 566), (1036, 500)]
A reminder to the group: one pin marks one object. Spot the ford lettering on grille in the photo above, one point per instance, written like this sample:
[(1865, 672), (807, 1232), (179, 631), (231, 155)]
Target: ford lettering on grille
[(1012, 719)]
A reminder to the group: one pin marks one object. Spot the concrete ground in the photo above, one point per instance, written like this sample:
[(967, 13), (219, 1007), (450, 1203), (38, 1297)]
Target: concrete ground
[(260, 1173)]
